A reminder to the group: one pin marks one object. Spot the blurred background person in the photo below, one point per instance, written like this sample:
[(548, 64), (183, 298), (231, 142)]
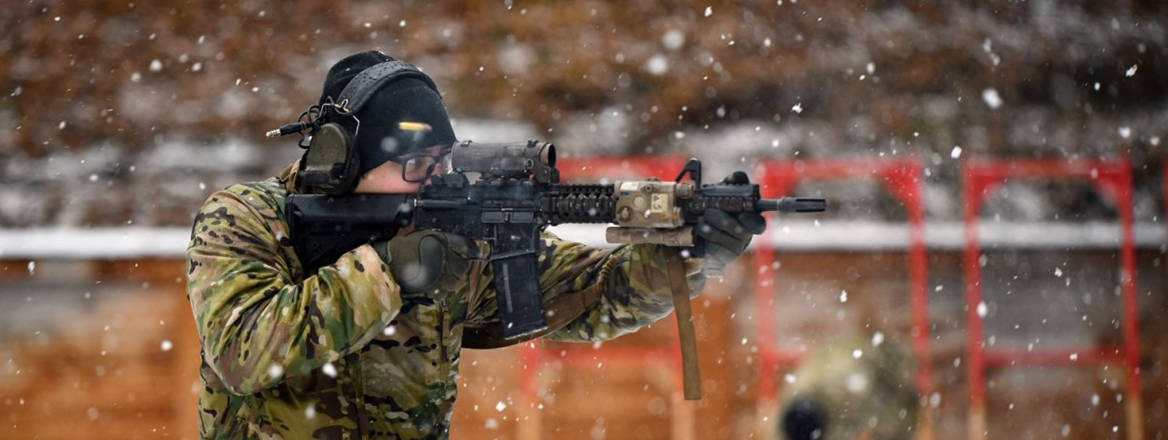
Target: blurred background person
[(852, 388)]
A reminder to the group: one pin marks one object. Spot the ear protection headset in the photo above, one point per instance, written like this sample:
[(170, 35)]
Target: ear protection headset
[(329, 130)]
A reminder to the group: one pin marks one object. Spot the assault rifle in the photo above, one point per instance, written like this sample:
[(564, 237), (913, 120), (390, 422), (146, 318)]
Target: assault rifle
[(515, 194)]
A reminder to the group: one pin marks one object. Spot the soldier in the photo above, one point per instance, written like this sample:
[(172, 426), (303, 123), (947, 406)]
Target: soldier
[(852, 388), (368, 346)]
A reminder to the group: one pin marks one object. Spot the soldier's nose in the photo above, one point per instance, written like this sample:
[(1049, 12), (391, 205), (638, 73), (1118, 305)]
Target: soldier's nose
[(804, 419)]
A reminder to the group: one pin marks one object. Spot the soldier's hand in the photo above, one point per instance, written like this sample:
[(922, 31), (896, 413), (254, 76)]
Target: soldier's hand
[(428, 263), (722, 237)]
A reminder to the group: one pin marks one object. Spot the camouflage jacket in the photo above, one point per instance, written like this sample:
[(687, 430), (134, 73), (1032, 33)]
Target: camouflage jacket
[(339, 353), (863, 385)]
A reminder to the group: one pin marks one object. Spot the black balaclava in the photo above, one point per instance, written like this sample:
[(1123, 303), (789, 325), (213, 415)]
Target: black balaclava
[(402, 100)]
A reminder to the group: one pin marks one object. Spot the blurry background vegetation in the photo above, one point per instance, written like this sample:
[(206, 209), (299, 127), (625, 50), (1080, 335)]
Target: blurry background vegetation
[(175, 95)]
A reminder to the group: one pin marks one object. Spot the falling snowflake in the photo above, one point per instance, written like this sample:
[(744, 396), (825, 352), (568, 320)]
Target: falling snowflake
[(155, 65), (166, 345), (856, 383), (797, 108), (709, 11), (1131, 71), (991, 98), (329, 370), (657, 65), (673, 39), (956, 152)]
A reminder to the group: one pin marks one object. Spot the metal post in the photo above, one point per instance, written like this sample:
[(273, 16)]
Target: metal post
[(1131, 334), (973, 192)]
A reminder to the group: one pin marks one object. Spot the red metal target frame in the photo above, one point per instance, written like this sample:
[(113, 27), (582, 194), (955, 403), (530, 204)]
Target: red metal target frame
[(903, 178), (1113, 179)]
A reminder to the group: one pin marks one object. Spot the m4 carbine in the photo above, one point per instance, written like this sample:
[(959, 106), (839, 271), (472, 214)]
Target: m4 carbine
[(515, 194)]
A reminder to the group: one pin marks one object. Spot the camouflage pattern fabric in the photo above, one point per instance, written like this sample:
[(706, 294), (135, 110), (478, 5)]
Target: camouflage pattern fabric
[(863, 386), (340, 353)]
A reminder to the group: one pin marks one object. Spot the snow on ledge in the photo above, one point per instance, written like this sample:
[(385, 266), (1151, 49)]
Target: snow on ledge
[(879, 236), (96, 243), (134, 242), (837, 235)]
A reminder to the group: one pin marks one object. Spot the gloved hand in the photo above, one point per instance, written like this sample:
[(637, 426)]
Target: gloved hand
[(720, 237), (427, 263)]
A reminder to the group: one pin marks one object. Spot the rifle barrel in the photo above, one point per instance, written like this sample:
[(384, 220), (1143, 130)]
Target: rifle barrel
[(792, 204)]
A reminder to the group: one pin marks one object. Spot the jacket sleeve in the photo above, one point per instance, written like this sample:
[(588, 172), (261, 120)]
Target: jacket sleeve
[(256, 324), (636, 287), (636, 291)]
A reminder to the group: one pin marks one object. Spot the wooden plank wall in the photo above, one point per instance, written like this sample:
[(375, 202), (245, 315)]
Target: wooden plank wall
[(107, 375)]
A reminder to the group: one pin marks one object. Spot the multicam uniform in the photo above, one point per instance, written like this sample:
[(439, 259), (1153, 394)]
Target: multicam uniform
[(865, 389), (340, 353)]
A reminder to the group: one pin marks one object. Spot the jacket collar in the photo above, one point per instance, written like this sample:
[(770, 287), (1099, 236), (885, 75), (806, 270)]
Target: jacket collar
[(287, 178)]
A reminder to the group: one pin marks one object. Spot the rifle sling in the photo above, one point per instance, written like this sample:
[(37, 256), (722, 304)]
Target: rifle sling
[(559, 312), (679, 287)]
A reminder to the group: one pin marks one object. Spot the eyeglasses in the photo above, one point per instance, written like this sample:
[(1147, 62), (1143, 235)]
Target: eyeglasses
[(419, 166)]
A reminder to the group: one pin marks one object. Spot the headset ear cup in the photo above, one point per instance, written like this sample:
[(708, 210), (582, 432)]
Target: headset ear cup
[(329, 165)]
